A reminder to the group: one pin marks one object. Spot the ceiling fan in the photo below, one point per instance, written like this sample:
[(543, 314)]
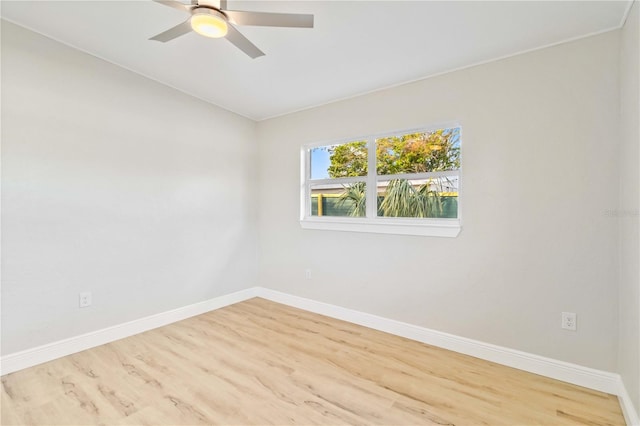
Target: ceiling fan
[(211, 18)]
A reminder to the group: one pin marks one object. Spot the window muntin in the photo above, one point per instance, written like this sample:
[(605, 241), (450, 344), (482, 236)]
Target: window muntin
[(414, 181)]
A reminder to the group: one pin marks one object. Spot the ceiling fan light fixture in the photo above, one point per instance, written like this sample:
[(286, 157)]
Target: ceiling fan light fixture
[(209, 23)]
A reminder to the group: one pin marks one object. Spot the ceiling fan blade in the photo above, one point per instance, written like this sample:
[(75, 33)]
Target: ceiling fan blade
[(217, 4), (264, 19), (175, 32), (242, 43), (174, 4)]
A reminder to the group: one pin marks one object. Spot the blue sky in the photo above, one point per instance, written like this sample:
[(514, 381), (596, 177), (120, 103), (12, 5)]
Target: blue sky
[(320, 163)]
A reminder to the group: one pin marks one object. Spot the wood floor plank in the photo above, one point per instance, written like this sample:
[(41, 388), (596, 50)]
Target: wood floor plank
[(259, 362)]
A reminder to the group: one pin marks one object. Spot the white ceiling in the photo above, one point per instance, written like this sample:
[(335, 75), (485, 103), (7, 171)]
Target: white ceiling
[(355, 47)]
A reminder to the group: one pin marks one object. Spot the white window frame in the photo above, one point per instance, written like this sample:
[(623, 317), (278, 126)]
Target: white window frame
[(436, 227)]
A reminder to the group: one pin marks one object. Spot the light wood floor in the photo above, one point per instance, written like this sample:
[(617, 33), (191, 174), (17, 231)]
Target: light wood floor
[(258, 362)]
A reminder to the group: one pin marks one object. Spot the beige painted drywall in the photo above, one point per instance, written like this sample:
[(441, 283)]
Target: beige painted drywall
[(118, 185), (540, 177), (629, 212)]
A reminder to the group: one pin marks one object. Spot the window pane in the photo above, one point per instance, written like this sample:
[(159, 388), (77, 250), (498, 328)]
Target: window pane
[(434, 151), (339, 200), (336, 161), (434, 198)]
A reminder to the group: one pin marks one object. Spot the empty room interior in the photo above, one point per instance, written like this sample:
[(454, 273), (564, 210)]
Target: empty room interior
[(320, 212)]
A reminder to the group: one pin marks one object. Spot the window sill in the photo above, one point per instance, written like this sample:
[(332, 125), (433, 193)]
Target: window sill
[(442, 228)]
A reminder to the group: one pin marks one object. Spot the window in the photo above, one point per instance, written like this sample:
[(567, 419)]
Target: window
[(401, 183)]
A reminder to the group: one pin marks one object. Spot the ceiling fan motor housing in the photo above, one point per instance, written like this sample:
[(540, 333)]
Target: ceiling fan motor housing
[(209, 22)]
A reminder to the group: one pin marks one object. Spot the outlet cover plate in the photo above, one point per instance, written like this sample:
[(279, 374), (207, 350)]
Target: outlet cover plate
[(569, 321), (84, 299)]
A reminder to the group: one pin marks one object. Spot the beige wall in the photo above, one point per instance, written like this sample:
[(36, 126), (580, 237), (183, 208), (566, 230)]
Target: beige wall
[(629, 211), (114, 184), (547, 119)]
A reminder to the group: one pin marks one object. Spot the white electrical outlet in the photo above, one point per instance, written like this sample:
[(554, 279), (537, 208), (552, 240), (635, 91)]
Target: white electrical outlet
[(85, 299), (307, 274), (569, 321)]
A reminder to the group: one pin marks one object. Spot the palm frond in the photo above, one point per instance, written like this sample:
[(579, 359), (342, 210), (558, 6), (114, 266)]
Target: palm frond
[(355, 194), (400, 199)]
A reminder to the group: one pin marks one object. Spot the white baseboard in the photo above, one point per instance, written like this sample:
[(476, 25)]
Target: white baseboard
[(38, 355), (628, 409), (560, 370), (572, 373)]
